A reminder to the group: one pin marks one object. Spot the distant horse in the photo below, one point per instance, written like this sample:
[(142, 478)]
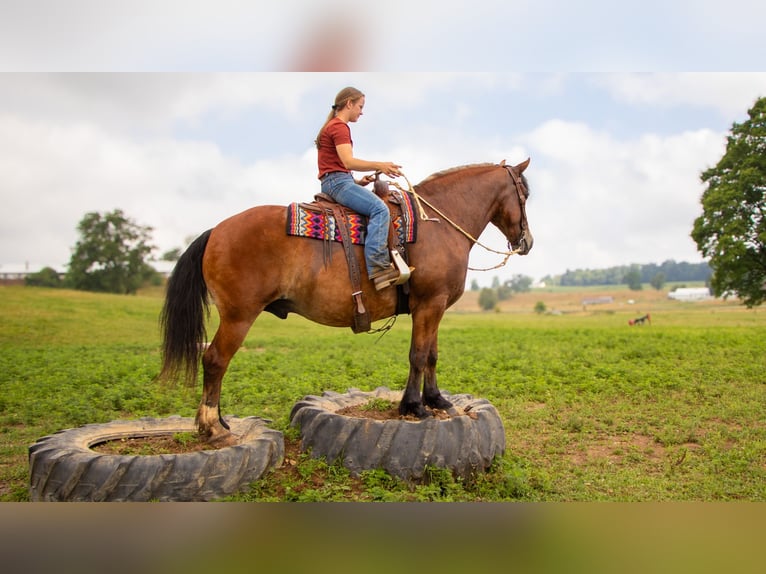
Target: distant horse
[(248, 264), (640, 320)]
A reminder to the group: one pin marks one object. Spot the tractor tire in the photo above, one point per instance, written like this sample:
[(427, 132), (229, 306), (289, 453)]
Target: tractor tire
[(63, 467), (466, 443)]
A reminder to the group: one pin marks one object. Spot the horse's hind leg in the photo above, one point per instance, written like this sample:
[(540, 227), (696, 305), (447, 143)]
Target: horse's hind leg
[(215, 361)]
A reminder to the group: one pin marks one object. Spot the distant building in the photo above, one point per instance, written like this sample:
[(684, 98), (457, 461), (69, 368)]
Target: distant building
[(690, 294), (16, 273)]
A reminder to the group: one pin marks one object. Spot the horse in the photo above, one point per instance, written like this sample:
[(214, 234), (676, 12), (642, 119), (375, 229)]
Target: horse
[(248, 264), (640, 320)]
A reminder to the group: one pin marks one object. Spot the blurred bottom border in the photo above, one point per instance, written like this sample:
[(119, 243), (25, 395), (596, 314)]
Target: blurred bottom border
[(359, 537)]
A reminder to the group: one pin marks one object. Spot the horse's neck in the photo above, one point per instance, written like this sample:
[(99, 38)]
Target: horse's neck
[(467, 201)]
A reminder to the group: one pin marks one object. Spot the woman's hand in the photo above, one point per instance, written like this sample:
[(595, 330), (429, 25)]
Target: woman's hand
[(390, 169), (366, 180)]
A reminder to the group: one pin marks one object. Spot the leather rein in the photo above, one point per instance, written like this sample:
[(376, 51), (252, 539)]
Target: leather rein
[(521, 191)]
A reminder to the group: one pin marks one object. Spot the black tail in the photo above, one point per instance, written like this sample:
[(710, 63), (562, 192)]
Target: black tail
[(183, 316)]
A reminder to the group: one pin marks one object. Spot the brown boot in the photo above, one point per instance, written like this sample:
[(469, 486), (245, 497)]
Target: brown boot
[(385, 277)]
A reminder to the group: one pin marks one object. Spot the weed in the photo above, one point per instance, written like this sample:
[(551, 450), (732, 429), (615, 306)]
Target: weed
[(186, 438), (379, 405)]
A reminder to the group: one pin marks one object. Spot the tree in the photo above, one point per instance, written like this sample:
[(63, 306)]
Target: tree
[(658, 280), (111, 254), (488, 299), (633, 279), (731, 230), (171, 255), (46, 277), (519, 283), (504, 292)]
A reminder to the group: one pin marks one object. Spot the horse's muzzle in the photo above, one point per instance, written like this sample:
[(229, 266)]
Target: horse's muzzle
[(525, 243)]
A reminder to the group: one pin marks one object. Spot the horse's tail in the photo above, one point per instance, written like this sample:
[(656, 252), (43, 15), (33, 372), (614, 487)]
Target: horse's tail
[(183, 315)]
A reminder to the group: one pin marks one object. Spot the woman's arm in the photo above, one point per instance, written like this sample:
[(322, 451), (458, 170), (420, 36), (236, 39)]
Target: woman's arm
[(346, 155)]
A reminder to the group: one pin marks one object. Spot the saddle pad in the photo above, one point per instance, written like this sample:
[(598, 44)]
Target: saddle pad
[(304, 222)]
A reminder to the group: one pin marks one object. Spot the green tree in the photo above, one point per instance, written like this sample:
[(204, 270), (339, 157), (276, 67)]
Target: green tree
[(633, 279), (658, 280), (731, 231), (488, 299), (46, 277), (519, 283), (171, 255), (504, 292), (111, 254)]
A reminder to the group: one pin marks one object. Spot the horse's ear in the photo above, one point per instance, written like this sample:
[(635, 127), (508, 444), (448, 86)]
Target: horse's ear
[(522, 166), (502, 163)]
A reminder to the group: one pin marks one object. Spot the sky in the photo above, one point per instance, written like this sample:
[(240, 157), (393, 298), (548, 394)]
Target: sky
[(182, 116)]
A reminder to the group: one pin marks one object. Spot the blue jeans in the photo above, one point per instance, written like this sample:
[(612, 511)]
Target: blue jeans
[(343, 189)]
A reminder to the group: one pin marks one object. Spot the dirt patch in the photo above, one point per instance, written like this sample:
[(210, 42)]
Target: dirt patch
[(616, 449), (362, 411), (149, 445), (190, 442)]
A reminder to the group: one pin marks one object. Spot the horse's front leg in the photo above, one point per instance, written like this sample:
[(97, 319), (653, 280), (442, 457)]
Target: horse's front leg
[(412, 402), (432, 397), (423, 358), (215, 361)]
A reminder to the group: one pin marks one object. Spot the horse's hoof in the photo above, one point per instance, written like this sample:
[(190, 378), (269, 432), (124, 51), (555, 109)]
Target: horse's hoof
[(217, 436), (223, 440), (416, 410), (438, 402)]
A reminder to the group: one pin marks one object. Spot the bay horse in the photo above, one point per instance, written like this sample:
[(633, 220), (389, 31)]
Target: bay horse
[(248, 264)]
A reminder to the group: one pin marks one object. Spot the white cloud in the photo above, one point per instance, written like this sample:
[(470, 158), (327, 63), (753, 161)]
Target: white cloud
[(598, 201), (53, 174), (731, 94)]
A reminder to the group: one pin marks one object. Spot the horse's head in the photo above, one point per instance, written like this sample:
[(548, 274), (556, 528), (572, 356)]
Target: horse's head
[(511, 214)]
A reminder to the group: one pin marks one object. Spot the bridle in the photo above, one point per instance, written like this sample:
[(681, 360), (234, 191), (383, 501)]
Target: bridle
[(521, 191)]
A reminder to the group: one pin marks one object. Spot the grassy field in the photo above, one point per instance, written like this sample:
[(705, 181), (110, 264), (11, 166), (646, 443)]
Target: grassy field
[(594, 409)]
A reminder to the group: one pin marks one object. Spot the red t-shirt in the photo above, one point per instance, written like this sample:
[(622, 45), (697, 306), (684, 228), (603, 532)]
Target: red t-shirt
[(335, 133)]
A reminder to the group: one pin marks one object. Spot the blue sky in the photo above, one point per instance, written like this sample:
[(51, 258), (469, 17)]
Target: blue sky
[(616, 154)]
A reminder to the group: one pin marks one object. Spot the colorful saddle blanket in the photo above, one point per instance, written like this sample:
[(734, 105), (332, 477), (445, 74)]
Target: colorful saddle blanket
[(319, 224)]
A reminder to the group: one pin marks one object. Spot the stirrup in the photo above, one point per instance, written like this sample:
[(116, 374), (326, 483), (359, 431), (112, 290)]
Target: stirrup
[(391, 278), (397, 274), (404, 270)]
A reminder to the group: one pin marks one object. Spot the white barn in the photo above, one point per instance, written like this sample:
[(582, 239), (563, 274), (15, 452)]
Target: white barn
[(690, 294)]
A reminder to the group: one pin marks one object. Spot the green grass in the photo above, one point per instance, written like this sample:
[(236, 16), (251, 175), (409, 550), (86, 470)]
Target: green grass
[(593, 409)]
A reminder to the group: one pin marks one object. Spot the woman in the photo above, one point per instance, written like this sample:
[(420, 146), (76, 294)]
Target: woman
[(335, 159)]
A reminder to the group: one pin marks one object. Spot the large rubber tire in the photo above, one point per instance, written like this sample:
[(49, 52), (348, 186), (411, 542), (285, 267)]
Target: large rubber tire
[(465, 444), (63, 467)]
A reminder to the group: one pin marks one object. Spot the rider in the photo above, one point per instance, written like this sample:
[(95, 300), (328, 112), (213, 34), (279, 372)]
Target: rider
[(335, 159)]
